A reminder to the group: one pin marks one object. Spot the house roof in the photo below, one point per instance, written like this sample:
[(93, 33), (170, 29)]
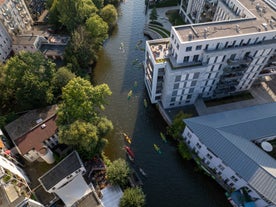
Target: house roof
[(34, 138), (28, 121), (66, 167), (230, 135)]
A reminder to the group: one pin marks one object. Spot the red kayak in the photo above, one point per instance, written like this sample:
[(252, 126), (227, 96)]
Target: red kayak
[(129, 151)]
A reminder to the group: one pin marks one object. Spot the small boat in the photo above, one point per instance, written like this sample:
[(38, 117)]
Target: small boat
[(157, 149), (145, 103), (163, 137), (142, 172), (130, 158), (129, 94), (127, 138), (129, 152)]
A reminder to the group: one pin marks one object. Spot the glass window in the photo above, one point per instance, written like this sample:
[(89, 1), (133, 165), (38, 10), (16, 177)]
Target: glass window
[(195, 59), (177, 78), (176, 86), (174, 93), (193, 83), (198, 47), (186, 59), (188, 49)]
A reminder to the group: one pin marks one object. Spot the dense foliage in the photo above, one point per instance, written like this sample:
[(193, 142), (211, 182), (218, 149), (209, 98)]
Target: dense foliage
[(133, 197), (117, 172), (79, 120)]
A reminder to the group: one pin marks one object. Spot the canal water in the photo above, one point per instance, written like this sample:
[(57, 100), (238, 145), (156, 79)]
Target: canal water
[(170, 181)]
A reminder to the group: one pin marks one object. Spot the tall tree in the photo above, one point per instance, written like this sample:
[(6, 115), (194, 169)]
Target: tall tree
[(79, 121), (117, 172), (133, 197), (109, 15), (28, 80), (153, 14), (97, 28)]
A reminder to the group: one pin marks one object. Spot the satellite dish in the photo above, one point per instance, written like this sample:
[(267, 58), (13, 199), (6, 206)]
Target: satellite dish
[(267, 146)]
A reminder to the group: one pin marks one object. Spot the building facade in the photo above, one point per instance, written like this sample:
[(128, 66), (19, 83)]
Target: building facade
[(15, 16), (5, 43), (228, 145), (211, 60)]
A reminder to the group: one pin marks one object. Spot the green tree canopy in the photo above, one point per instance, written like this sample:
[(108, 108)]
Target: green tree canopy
[(62, 77), (81, 101), (97, 28), (99, 3), (177, 127), (117, 172), (109, 15), (153, 14), (28, 80), (79, 121), (133, 197)]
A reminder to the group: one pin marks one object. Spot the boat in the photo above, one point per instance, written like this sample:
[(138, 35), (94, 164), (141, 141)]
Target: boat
[(145, 103), (157, 149), (129, 152), (142, 172), (163, 137), (129, 94), (127, 138), (130, 158)]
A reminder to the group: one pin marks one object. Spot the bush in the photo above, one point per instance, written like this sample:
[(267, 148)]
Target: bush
[(184, 151)]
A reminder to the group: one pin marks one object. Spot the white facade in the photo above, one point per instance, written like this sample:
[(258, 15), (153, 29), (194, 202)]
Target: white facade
[(15, 16), (5, 43), (209, 60), (223, 172)]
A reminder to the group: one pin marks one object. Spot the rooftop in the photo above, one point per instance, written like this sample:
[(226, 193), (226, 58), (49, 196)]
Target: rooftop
[(159, 49), (67, 166), (24, 40), (230, 135), (52, 49), (30, 120), (263, 20)]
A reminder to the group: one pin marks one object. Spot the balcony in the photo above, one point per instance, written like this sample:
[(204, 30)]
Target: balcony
[(19, 6), (244, 61), (22, 13)]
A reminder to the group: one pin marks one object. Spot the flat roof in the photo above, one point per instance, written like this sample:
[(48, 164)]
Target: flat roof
[(24, 40), (261, 22)]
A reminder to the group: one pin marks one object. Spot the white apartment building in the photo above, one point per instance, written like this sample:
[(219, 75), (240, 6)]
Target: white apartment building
[(213, 59), (15, 16), (5, 43), (230, 147)]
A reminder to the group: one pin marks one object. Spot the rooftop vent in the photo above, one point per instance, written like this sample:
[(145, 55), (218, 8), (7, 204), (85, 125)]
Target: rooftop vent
[(190, 36), (43, 126), (265, 25), (38, 121)]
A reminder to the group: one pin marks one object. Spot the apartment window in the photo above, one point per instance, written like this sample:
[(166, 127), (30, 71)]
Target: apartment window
[(226, 44), (198, 145), (209, 156), (177, 46), (221, 167), (173, 99), (223, 58), (193, 83), (198, 47), (174, 93), (172, 36), (206, 48), (189, 135), (176, 86), (191, 90), (234, 43), (196, 75), (195, 59), (189, 96), (177, 78), (188, 49), (186, 59), (232, 57), (217, 46)]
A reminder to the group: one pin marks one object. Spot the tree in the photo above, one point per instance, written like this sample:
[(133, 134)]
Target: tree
[(84, 136), (81, 101), (99, 3), (117, 172), (98, 29), (153, 14), (79, 121), (133, 197), (28, 80), (109, 15), (61, 78), (177, 127)]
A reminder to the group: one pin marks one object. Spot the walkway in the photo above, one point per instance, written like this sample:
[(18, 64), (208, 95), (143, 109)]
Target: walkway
[(262, 94)]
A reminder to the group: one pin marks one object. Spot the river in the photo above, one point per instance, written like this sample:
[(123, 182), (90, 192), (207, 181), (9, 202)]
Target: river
[(171, 181)]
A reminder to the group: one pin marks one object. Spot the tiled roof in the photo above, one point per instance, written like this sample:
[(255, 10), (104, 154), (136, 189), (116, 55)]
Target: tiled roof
[(230, 136), (34, 138), (28, 121), (64, 168)]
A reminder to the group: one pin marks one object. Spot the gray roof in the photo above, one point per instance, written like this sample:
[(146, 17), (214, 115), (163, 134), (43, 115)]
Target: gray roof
[(230, 135), (67, 166)]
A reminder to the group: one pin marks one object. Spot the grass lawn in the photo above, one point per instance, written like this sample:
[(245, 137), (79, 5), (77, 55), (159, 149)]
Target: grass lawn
[(174, 17), (229, 99)]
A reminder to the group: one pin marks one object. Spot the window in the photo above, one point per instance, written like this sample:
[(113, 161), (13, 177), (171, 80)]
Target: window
[(188, 49), (177, 78), (221, 167), (172, 36), (177, 46), (176, 86), (174, 93), (193, 83), (209, 156), (196, 75), (191, 90), (186, 59), (189, 96), (173, 99), (206, 48), (189, 135), (195, 59), (198, 145), (198, 47)]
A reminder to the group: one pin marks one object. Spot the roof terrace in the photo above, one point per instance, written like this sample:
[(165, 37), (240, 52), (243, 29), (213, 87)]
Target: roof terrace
[(159, 49), (263, 19)]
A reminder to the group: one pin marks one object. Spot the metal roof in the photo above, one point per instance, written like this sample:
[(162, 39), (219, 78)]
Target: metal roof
[(230, 135), (66, 167)]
